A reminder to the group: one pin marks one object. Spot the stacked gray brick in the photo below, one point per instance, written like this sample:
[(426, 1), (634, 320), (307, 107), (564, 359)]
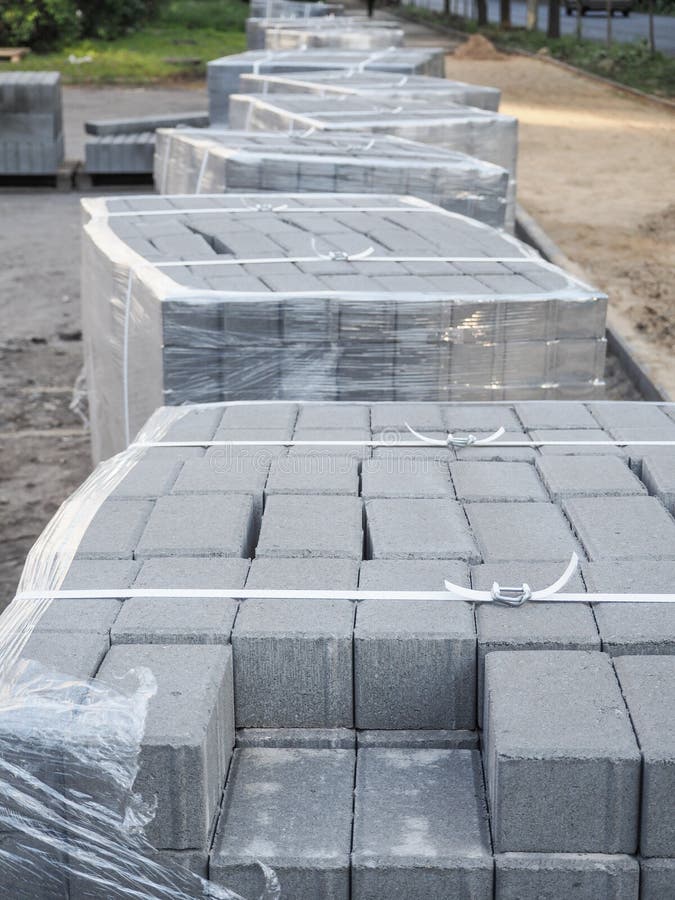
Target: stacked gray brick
[(339, 35), (31, 123), (379, 84), (258, 30), (320, 328), (223, 74), (227, 161)]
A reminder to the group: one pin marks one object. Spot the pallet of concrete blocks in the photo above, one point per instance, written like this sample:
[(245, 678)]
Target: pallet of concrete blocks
[(293, 9), (257, 29), (203, 564), (375, 84), (334, 33), (31, 123), (229, 161), (324, 296), (223, 74), (487, 135), (127, 146)]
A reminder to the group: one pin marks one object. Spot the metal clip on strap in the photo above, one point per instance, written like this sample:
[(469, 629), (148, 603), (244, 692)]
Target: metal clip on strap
[(510, 596)]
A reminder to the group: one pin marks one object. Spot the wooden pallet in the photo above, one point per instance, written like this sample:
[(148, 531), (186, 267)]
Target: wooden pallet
[(14, 54), (62, 180)]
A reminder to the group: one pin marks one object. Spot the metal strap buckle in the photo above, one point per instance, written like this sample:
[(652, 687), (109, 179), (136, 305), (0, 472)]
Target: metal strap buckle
[(511, 596)]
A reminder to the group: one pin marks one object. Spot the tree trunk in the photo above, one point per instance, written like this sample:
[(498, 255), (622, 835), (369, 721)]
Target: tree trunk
[(505, 14), (482, 12), (609, 23), (532, 20), (553, 30), (579, 19), (652, 41)]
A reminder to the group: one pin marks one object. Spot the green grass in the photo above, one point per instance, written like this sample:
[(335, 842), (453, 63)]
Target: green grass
[(630, 64), (198, 29)]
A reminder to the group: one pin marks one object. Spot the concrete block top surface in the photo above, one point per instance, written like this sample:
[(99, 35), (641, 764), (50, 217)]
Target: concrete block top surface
[(648, 685)]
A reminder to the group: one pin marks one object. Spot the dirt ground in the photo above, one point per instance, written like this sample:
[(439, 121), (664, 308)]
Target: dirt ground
[(597, 171)]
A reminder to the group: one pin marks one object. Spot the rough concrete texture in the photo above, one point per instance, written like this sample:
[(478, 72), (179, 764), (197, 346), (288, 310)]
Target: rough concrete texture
[(382, 478), (648, 685), (303, 574), (575, 476), (562, 762), (297, 738), (575, 876), (622, 528), (420, 826), (115, 529), (188, 737), (300, 526), (403, 652), (293, 664), (535, 532), (427, 739), (496, 481), (191, 571), (292, 810), (658, 474), (411, 574), (418, 529), (657, 879), (174, 620)]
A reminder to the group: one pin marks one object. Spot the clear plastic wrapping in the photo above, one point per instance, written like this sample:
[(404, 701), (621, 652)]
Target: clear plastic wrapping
[(341, 37), (292, 9), (223, 74), (225, 161), (334, 296), (71, 824), (375, 84), (257, 30), (481, 133)]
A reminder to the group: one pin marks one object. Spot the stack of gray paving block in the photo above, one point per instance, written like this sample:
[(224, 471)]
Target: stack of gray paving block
[(378, 84), (257, 29), (293, 9), (225, 161), (181, 305), (482, 133), (31, 123), (223, 74), (331, 34), (337, 741), (127, 146)]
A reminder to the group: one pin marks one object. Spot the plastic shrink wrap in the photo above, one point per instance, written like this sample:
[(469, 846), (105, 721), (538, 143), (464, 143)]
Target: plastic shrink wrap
[(223, 74), (194, 161), (336, 36), (256, 29), (333, 296)]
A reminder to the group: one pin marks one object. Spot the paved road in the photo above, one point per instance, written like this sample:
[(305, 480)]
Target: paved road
[(594, 25)]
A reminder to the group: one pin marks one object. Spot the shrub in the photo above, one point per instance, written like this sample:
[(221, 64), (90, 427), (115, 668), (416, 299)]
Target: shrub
[(109, 19), (39, 24)]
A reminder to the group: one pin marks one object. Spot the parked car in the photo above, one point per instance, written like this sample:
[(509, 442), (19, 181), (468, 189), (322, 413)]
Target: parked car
[(622, 6)]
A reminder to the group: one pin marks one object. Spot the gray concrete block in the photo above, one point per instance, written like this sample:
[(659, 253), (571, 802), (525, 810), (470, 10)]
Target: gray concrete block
[(77, 655), (192, 572), (146, 123), (303, 574), (100, 574), (403, 651), (72, 616), (411, 574), (420, 826), (464, 418), (495, 481), (334, 415), (293, 664), (298, 738), (195, 861), (423, 417), (428, 739), (543, 414), (640, 527), (657, 879), (536, 574), (572, 442), (356, 451), (301, 828), (261, 415), (149, 479), (392, 447), (175, 620), (562, 763), (581, 476), (311, 526), (658, 474), (575, 876), (224, 474), (314, 475), (115, 530), (393, 477), (418, 529), (648, 687), (199, 525), (626, 628), (508, 532), (633, 414), (188, 737), (494, 453)]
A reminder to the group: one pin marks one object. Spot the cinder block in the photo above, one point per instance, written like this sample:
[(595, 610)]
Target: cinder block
[(192, 572), (303, 574), (411, 574), (633, 414), (175, 620), (496, 481), (73, 616), (297, 738), (640, 527), (225, 474), (188, 738), (626, 628), (658, 474), (115, 530), (428, 739), (420, 826), (100, 574), (537, 532), (389, 478), (310, 526), (301, 828), (418, 529), (149, 479), (543, 414), (648, 687), (403, 651), (463, 418), (562, 763), (199, 525), (293, 664), (581, 476), (78, 655), (314, 475), (657, 879), (581, 876)]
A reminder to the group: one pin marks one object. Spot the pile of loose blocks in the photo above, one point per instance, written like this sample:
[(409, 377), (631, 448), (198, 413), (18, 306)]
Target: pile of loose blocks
[(287, 551)]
